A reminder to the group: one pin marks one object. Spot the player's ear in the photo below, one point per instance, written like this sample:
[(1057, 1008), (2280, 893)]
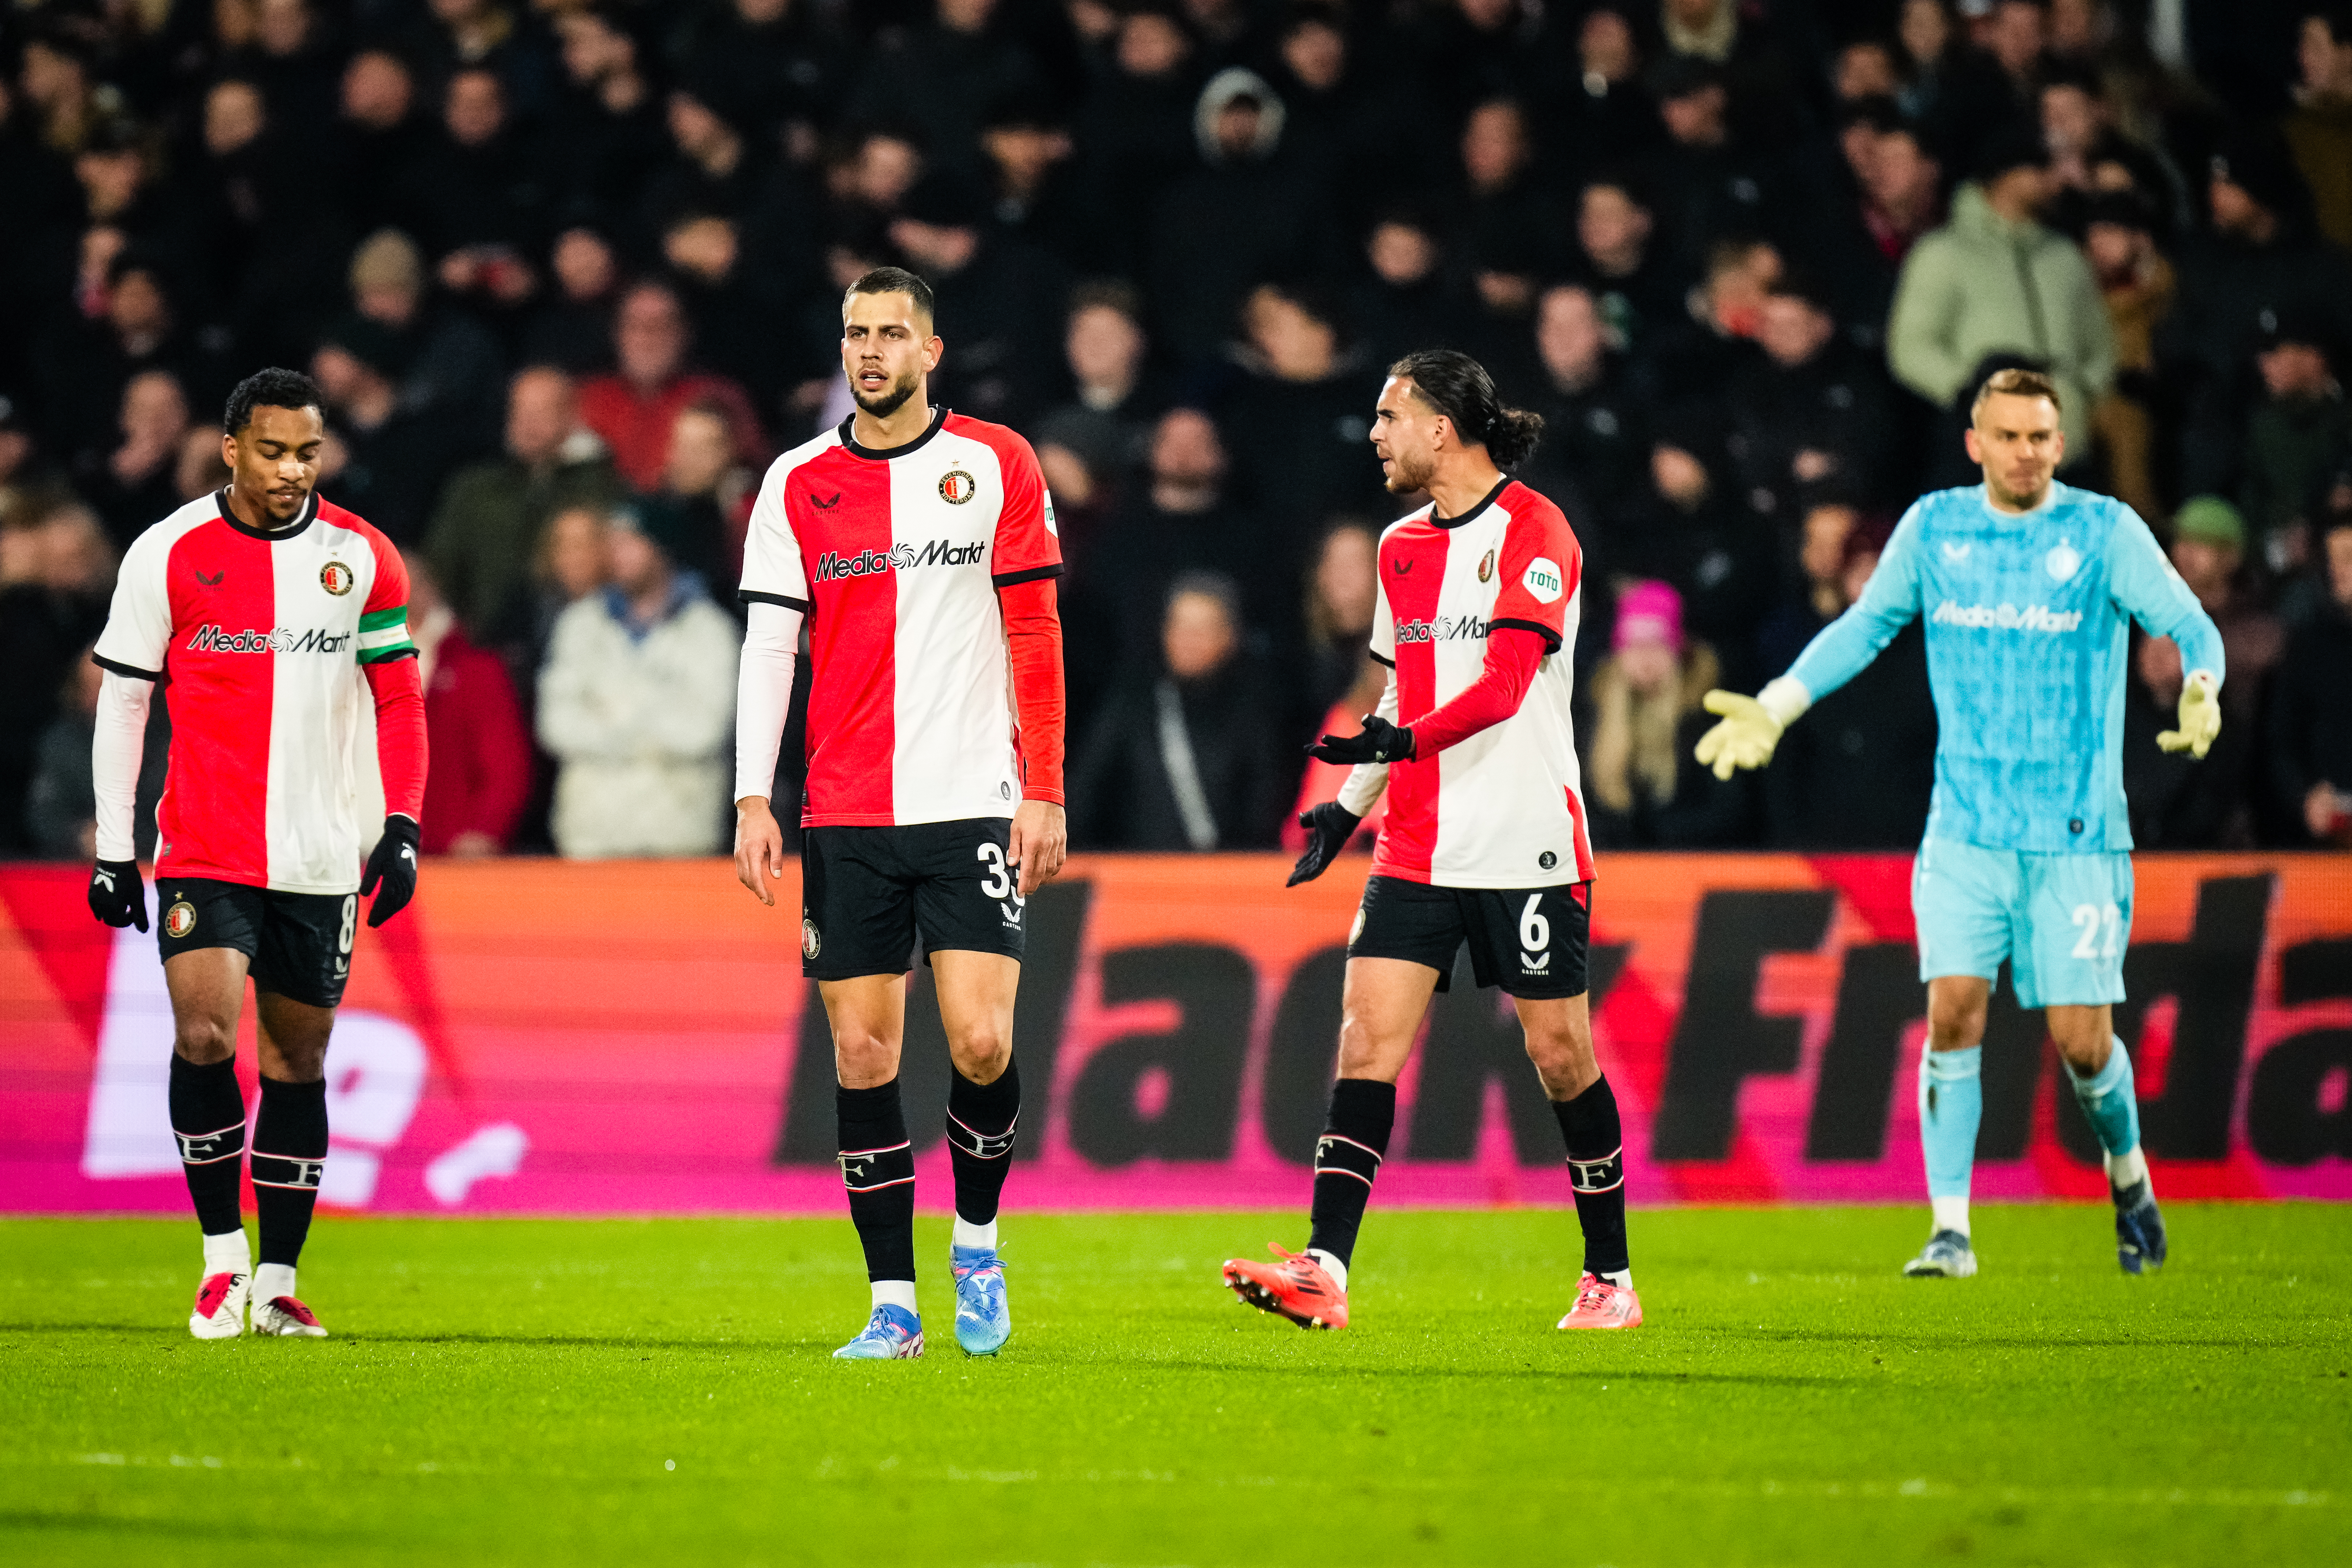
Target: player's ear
[(932, 348), (1976, 449)]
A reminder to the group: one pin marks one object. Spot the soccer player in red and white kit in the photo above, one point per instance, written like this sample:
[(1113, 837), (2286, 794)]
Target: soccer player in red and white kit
[(1485, 840), (918, 549), (265, 612)]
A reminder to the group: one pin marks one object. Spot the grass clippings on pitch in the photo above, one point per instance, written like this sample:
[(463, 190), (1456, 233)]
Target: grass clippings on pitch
[(661, 1392)]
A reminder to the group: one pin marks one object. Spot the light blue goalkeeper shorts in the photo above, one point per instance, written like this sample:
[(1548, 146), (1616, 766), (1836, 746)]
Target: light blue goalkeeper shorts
[(2062, 921)]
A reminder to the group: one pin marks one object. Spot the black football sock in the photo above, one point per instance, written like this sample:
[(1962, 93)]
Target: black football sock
[(1346, 1158), (1596, 1169), (981, 1119), (878, 1166), (290, 1154), (208, 1119)]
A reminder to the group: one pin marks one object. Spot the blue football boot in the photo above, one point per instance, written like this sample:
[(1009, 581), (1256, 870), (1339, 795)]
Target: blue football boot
[(2139, 1228), (983, 1319), (892, 1333)]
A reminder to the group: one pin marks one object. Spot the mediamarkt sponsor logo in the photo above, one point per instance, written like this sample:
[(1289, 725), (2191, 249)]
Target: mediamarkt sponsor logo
[(2007, 618), (1444, 628), (285, 639), (832, 564)]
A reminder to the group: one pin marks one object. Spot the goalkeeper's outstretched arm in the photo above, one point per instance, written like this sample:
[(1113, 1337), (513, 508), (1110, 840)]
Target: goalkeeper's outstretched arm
[(1750, 727)]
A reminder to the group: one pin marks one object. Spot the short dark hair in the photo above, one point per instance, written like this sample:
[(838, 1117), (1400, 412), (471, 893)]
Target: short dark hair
[(1459, 387), (893, 281), (272, 388), (1107, 294)]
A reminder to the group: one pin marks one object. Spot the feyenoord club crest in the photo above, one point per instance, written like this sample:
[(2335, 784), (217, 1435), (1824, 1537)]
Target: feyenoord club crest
[(956, 486), (810, 943), (336, 578), (180, 918), (1486, 567)]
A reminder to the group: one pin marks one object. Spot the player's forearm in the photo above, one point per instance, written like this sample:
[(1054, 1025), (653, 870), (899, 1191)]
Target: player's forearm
[(1513, 656), (1844, 648), (2145, 587), (763, 695), (400, 745), (117, 748), (1032, 633), (1367, 781)]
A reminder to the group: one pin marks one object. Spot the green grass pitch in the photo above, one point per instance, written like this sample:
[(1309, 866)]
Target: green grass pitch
[(660, 1392)]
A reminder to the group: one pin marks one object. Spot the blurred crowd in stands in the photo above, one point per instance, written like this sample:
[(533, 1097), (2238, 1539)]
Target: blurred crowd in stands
[(570, 271)]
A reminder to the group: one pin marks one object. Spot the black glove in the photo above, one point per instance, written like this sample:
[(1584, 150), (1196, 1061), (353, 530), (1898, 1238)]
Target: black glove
[(1380, 742), (117, 896), (394, 861), (1329, 828)]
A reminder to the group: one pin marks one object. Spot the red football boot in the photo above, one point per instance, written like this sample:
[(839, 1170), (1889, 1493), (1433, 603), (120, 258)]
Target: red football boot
[(1297, 1287), (1602, 1305)]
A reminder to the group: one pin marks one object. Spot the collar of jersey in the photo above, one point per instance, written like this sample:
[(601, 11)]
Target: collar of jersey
[(849, 423), (2047, 504), (1436, 521), (268, 535)]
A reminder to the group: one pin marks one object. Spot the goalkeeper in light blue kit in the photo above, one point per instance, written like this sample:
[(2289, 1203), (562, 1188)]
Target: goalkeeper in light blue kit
[(2027, 588)]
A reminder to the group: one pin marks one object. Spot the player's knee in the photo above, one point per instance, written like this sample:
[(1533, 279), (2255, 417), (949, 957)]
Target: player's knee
[(1360, 1048), (1563, 1060), (204, 1041), (981, 1052), (863, 1058), (1954, 1026)]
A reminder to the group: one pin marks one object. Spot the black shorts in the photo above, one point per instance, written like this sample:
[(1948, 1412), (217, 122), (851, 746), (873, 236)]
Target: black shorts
[(1529, 941), (866, 893), (299, 945)]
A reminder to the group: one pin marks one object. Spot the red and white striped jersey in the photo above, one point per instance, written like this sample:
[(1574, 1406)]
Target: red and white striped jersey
[(1503, 808), (896, 557), (258, 639)]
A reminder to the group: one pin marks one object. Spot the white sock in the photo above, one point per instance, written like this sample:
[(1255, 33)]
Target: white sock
[(228, 1253), (272, 1280), (1623, 1278), (969, 1235), (894, 1293), (1331, 1265), (2125, 1170), (1951, 1214)]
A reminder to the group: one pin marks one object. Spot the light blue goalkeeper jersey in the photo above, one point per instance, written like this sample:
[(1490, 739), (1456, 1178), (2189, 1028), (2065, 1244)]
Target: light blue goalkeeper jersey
[(2028, 628)]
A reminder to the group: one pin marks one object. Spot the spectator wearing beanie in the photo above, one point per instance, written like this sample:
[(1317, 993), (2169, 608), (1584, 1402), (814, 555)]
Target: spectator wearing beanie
[(1642, 783), (2296, 435), (2262, 256), (2209, 551)]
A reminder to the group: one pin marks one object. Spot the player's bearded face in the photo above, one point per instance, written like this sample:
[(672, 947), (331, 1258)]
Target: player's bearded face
[(886, 351), (2018, 444), (274, 458), (891, 398), (1402, 429)]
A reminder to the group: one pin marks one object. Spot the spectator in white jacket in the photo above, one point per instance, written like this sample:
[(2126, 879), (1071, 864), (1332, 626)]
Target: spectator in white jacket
[(636, 701)]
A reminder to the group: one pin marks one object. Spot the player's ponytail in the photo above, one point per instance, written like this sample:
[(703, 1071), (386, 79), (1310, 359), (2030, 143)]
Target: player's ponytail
[(1516, 431), (1459, 387)]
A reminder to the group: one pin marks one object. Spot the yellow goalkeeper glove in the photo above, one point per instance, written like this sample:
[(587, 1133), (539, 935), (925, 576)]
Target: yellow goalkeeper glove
[(1751, 726), (2201, 716)]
